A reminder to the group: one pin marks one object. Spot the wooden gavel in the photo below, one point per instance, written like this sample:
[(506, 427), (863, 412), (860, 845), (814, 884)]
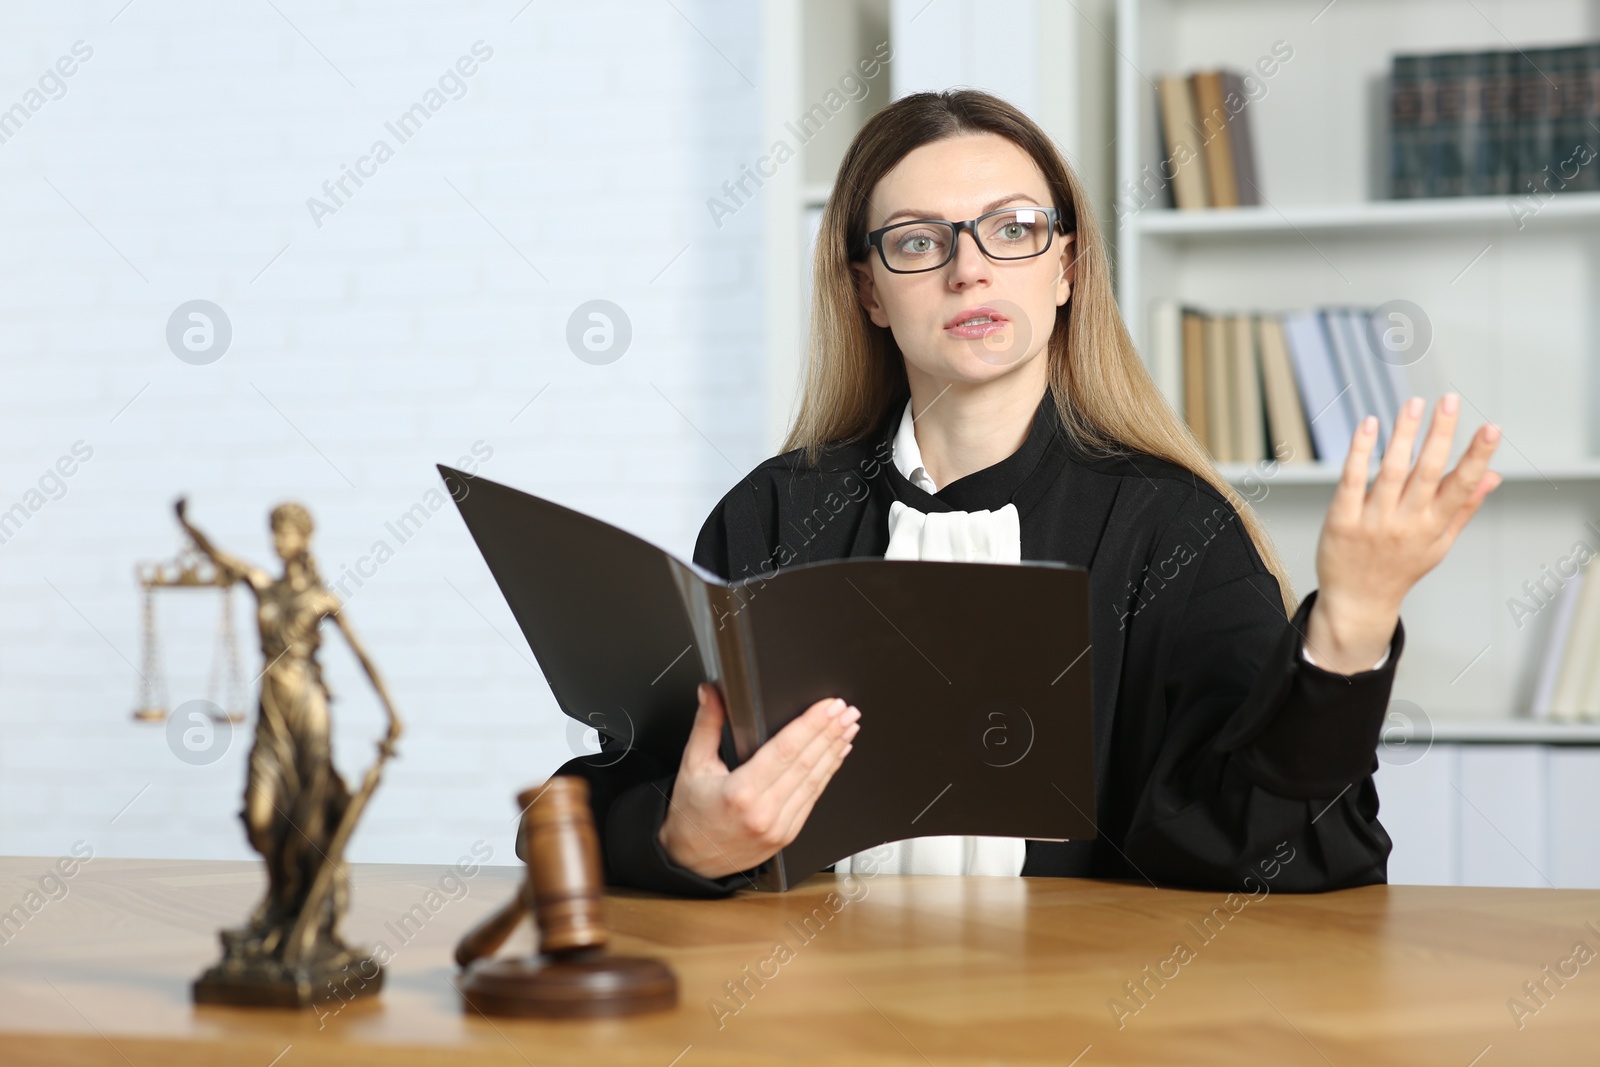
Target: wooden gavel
[(563, 891), (563, 887)]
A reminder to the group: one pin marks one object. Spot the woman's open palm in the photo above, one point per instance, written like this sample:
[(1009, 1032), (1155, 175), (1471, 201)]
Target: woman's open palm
[(1377, 542)]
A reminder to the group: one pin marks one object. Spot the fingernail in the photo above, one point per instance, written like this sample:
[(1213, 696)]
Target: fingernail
[(1451, 403), (1414, 406), (700, 692), (835, 708), (1369, 424)]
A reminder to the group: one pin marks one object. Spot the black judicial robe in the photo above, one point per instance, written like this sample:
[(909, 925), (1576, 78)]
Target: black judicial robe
[(1215, 741)]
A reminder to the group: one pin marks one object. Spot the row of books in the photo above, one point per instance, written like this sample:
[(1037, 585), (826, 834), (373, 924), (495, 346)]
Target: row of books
[(1495, 123), (1205, 132), (1567, 686), (1291, 387)]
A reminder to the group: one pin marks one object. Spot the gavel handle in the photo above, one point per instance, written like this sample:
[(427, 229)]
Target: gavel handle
[(486, 938)]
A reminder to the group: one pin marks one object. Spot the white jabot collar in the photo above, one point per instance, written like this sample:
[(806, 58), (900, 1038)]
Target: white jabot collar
[(960, 536)]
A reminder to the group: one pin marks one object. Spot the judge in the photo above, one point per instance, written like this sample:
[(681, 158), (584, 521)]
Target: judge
[(972, 394)]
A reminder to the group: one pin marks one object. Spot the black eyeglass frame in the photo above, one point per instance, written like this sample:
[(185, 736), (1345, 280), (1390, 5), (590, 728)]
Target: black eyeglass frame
[(874, 238)]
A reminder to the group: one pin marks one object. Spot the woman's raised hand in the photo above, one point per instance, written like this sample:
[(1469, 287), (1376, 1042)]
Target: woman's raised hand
[(723, 821), (1377, 543)]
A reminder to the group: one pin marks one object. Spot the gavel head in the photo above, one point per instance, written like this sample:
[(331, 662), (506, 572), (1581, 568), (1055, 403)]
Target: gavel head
[(557, 839)]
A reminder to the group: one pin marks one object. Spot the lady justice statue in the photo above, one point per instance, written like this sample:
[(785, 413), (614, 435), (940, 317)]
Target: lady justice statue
[(298, 812)]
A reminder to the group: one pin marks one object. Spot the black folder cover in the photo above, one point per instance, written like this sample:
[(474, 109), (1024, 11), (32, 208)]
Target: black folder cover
[(973, 679)]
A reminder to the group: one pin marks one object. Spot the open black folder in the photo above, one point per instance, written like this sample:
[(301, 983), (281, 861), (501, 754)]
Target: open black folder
[(973, 679)]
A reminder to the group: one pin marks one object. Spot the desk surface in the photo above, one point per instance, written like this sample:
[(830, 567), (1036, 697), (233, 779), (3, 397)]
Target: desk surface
[(899, 970)]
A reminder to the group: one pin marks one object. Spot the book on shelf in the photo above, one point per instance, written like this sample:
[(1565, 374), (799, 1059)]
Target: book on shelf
[(1168, 374), (1205, 134), (1290, 387), (1355, 366), (1286, 420), (1218, 386), (1191, 398), (1555, 646), (1567, 686), (1324, 398), (1249, 431), (1495, 123)]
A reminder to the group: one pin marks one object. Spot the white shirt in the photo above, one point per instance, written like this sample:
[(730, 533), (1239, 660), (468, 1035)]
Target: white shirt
[(963, 536)]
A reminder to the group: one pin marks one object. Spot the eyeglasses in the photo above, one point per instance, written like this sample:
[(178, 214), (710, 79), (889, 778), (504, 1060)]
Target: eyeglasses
[(928, 244)]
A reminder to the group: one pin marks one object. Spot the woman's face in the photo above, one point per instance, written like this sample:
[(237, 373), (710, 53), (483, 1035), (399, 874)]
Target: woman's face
[(954, 179)]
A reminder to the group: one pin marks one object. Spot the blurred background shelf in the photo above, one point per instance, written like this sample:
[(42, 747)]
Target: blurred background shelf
[(1490, 732), (1484, 213), (1481, 794), (1579, 470), (1513, 318)]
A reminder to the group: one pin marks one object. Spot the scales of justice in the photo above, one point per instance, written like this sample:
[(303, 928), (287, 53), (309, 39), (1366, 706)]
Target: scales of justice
[(190, 570), (298, 813)]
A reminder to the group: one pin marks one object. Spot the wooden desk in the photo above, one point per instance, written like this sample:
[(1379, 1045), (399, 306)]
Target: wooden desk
[(907, 971)]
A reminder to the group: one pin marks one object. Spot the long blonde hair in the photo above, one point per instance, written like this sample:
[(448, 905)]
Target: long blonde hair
[(1106, 399)]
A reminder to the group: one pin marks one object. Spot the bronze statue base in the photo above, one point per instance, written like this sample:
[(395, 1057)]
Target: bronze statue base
[(585, 985), (249, 977)]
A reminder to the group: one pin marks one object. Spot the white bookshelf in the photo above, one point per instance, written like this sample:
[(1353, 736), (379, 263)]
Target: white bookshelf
[(1321, 474), (1511, 305), (807, 47), (1484, 795), (1496, 216), (1506, 731)]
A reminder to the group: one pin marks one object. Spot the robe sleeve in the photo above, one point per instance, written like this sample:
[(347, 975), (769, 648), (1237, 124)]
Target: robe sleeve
[(629, 795), (629, 801), (1260, 754)]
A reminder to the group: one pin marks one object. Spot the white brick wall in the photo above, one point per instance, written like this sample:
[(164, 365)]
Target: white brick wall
[(394, 335)]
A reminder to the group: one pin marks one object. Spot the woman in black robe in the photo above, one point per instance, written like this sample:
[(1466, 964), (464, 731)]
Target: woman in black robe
[(1233, 726)]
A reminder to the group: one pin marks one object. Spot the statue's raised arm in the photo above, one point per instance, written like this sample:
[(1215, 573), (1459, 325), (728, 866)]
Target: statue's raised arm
[(232, 566)]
